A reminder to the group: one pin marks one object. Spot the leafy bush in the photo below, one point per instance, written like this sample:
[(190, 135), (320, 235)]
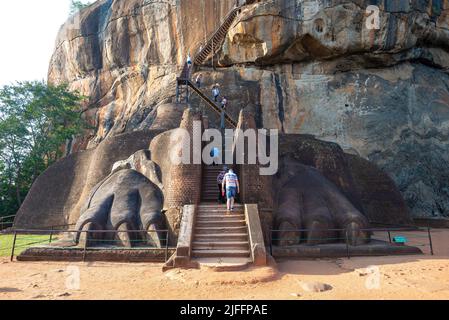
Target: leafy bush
[(36, 121)]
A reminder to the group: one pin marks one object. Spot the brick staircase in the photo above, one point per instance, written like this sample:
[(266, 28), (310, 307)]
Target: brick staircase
[(209, 191), (221, 235)]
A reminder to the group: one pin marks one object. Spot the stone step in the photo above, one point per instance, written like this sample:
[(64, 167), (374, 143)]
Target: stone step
[(220, 253), (220, 245), (218, 230), (213, 195), (213, 247), (220, 223), (226, 237), (216, 206), (224, 264), (224, 214), (220, 211), (211, 217)]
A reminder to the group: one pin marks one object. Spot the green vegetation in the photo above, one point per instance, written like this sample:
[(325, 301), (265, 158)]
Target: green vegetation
[(22, 243), (76, 6), (36, 121)]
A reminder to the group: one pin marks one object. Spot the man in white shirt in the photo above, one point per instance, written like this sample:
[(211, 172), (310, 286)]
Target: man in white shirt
[(231, 182)]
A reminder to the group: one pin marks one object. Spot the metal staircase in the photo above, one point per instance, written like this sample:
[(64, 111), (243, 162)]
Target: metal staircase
[(216, 40), (184, 84)]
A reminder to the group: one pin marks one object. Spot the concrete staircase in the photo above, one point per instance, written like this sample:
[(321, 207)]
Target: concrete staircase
[(221, 235)]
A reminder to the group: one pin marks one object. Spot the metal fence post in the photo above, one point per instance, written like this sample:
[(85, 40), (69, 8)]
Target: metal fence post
[(166, 246), (389, 236), (347, 245), (271, 243), (51, 236), (85, 246), (13, 246), (430, 241)]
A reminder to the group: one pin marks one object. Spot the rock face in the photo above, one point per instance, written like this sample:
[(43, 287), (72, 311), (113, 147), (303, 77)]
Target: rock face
[(305, 66)]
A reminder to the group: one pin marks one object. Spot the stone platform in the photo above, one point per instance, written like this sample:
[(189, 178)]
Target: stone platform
[(106, 254), (225, 264), (340, 250)]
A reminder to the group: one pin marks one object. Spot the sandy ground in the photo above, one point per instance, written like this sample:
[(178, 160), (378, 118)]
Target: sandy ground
[(407, 277)]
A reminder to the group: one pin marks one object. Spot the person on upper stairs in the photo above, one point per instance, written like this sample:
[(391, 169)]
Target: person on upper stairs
[(224, 103), (216, 92), (232, 187), (200, 49), (189, 60), (198, 80), (215, 155)]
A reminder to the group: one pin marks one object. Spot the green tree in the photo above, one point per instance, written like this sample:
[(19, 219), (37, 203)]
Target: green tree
[(36, 121), (76, 6)]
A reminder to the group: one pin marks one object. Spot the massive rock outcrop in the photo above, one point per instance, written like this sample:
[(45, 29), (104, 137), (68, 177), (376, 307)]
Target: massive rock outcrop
[(305, 66)]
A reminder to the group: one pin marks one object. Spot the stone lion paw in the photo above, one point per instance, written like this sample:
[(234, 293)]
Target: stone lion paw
[(126, 202), (308, 201)]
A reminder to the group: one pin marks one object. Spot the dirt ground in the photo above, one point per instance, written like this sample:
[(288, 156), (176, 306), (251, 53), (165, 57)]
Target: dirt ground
[(407, 277)]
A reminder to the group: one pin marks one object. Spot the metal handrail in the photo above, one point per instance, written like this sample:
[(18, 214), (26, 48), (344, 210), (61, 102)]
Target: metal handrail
[(371, 230), (87, 231), (7, 217), (217, 109), (6, 222), (363, 229), (18, 232)]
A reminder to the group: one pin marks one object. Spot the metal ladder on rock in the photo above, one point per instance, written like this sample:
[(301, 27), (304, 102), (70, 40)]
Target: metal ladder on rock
[(213, 44)]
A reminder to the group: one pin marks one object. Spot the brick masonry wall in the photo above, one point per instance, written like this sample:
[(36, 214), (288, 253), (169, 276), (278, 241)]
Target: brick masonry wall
[(255, 189), (185, 185)]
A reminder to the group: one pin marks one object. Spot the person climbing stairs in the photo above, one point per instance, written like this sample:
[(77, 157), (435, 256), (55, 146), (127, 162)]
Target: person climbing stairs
[(219, 235), (184, 82)]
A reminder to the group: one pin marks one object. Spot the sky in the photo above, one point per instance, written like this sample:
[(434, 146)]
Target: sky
[(28, 30)]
